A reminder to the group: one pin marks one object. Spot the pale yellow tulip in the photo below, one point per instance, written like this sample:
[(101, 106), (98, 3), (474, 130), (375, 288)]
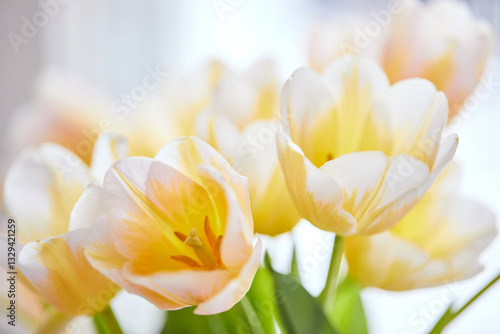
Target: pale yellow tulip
[(439, 241), (176, 230), (41, 188), (356, 152), (440, 41), (241, 126)]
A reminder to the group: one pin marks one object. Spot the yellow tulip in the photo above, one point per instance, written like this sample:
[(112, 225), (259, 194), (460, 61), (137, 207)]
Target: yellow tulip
[(440, 41), (356, 152), (41, 189), (176, 230), (437, 242), (31, 310), (240, 126)]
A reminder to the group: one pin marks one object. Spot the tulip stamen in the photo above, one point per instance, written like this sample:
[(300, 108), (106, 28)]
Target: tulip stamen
[(208, 254), (210, 234), (214, 243), (329, 156), (217, 251), (186, 260), (193, 239), (181, 236), (204, 253)]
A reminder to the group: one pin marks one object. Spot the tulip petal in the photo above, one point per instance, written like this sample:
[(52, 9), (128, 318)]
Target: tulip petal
[(380, 195), (441, 225), (141, 230), (183, 202), (368, 74), (88, 209), (317, 195), (218, 131), (236, 245), (252, 153), (42, 186), (400, 266), (185, 154), (248, 95), (5, 243), (236, 288), (304, 96), (186, 287), (108, 149), (329, 116), (433, 244), (447, 149), (58, 270), (417, 114), (104, 257)]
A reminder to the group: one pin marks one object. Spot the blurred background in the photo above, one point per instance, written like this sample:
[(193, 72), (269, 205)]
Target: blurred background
[(113, 43)]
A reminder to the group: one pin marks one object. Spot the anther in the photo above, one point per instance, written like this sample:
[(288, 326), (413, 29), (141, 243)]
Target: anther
[(193, 239)]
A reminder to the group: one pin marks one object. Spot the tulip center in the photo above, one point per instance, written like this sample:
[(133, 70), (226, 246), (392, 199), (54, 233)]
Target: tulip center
[(208, 253)]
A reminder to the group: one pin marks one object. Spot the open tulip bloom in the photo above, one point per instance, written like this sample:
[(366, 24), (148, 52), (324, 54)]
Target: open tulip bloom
[(435, 243), (356, 152), (176, 229)]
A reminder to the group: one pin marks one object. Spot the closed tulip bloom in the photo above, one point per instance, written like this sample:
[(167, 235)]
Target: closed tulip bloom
[(440, 41), (252, 152), (41, 189), (241, 125), (356, 152), (437, 242), (176, 230)]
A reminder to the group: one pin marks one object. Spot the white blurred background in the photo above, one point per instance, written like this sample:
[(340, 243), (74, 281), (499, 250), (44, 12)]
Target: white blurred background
[(112, 42)]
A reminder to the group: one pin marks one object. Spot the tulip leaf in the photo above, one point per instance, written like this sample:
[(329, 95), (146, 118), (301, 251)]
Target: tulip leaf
[(233, 321), (261, 297), (184, 321), (300, 312), (349, 316)]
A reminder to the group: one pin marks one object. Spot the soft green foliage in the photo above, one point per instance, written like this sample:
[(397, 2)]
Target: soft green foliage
[(300, 313), (348, 315)]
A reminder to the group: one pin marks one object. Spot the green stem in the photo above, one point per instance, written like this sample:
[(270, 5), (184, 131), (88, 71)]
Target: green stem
[(106, 322), (327, 297), (449, 315)]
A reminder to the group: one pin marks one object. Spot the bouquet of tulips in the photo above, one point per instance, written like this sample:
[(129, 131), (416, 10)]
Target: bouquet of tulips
[(178, 199)]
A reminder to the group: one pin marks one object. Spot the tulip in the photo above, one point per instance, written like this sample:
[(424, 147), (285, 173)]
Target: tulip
[(65, 110), (30, 310), (357, 153), (176, 230), (252, 152), (41, 188), (245, 135), (440, 41), (437, 242)]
